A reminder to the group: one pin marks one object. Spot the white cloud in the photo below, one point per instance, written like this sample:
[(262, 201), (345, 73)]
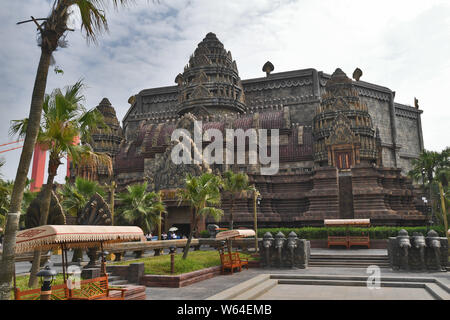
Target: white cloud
[(399, 44)]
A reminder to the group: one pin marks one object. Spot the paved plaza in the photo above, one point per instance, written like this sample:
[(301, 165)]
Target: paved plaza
[(210, 287)]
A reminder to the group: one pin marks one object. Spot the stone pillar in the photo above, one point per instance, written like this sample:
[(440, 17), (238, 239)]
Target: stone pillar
[(135, 272)]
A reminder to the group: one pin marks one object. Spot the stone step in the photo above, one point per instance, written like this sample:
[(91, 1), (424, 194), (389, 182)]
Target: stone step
[(257, 290), (348, 262), (347, 256), (113, 278), (437, 291), (347, 266), (345, 259)]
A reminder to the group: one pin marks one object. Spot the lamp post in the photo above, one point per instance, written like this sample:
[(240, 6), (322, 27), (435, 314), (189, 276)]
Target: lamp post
[(172, 259), (47, 276)]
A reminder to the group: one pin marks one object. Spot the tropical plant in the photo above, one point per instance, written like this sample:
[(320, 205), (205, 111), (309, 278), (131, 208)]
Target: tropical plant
[(76, 195), (64, 119), (140, 207), (433, 169), (202, 194), (235, 184), (51, 35)]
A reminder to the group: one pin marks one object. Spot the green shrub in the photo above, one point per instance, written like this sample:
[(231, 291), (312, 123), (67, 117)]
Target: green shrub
[(204, 234), (382, 232)]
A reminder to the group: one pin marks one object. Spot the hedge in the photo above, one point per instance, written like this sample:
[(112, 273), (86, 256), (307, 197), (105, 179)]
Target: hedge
[(374, 232)]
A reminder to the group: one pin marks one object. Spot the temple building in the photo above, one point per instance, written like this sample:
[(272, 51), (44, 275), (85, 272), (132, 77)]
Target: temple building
[(344, 145)]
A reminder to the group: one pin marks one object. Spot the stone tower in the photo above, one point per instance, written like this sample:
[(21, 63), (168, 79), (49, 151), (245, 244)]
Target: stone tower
[(343, 131), (210, 83), (103, 141)]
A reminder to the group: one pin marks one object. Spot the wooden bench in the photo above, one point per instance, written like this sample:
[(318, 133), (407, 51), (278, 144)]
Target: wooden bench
[(349, 241), (359, 241), (338, 241), (243, 261), (232, 261), (95, 289), (90, 289), (59, 292)]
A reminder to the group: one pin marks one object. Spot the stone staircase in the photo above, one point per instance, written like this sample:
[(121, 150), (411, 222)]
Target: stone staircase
[(134, 292), (116, 280), (349, 261)]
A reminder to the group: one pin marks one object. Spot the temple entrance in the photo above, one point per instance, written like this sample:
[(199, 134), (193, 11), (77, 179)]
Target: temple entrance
[(343, 159), (345, 196)]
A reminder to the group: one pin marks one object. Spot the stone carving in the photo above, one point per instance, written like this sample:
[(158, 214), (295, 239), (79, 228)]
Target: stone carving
[(96, 212), (266, 250), (437, 250), (280, 239), (56, 214), (167, 174), (284, 253), (417, 252), (212, 229), (341, 132), (405, 245)]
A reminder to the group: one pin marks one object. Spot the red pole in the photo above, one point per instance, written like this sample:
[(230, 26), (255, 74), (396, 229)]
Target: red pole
[(37, 173)]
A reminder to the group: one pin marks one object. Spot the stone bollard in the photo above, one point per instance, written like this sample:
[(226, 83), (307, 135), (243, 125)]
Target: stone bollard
[(266, 247), (291, 248), (280, 240), (436, 256), (404, 245), (417, 255)]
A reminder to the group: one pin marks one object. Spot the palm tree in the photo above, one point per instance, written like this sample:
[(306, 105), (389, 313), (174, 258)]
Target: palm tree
[(52, 32), (64, 118), (202, 193), (234, 184), (432, 168), (424, 168), (76, 195), (140, 207)]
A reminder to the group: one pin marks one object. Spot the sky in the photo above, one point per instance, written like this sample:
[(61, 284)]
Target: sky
[(403, 45)]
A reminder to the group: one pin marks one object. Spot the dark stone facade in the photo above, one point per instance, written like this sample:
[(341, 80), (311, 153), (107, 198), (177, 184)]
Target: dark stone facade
[(344, 145)]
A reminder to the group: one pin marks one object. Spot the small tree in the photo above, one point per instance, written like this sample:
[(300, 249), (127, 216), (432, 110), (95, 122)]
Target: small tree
[(235, 184), (202, 193), (140, 207)]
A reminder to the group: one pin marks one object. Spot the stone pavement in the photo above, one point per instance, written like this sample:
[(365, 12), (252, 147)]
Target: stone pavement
[(204, 289)]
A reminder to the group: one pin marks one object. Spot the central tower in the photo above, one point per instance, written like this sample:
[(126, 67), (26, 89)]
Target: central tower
[(210, 83)]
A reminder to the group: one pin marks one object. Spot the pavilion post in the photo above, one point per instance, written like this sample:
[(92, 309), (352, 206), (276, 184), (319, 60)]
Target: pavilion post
[(63, 262)]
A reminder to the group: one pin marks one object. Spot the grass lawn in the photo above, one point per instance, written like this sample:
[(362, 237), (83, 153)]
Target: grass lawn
[(195, 260)]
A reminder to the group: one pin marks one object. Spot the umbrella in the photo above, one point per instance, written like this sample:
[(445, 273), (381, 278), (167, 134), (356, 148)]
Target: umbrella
[(173, 229)]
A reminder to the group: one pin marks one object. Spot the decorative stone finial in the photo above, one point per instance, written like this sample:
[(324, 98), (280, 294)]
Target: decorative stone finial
[(357, 74), (268, 68)]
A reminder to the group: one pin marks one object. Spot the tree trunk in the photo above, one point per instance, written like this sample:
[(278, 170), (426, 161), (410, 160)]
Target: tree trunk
[(44, 210), (191, 234), (34, 118)]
